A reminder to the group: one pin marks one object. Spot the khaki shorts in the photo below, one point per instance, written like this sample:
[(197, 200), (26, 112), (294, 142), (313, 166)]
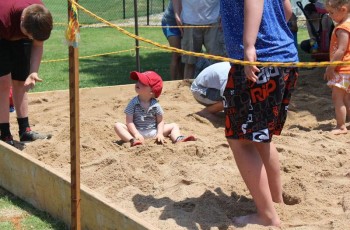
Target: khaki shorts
[(194, 38)]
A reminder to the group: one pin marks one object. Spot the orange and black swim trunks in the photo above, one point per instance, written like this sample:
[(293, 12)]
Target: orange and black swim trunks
[(257, 110)]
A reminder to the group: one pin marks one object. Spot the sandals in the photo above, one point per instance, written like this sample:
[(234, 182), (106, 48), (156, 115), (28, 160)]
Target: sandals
[(134, 142), (185, 139)]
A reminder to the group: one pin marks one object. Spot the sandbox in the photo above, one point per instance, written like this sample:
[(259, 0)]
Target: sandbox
[(48, 190)]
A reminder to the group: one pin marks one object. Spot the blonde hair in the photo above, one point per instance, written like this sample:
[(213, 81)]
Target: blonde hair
[(337, 3), (37, 20)]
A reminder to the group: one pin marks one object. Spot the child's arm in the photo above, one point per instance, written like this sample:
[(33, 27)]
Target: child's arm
[(343, 39), (160, 129), (253, 10), (35, 59), (132, 128)]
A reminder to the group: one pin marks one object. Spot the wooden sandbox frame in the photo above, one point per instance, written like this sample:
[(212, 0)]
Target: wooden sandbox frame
[(47, 190)]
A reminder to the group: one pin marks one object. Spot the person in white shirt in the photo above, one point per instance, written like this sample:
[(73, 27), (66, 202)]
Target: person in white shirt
[(208, 87)]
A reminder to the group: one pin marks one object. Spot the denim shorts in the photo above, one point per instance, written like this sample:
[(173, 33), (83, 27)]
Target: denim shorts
[(170, 31)]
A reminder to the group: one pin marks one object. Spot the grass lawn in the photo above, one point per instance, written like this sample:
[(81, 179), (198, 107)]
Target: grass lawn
[(17, 214)]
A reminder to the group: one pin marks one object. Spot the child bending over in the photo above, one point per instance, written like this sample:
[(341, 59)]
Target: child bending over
[(144, 115), (339, 76)]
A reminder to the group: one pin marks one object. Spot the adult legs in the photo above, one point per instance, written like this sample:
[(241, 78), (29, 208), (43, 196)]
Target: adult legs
[(189, 71), (255, 174), (176, 66)]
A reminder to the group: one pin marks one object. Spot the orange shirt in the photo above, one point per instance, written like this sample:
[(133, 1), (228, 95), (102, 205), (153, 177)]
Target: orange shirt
[(334, 45)]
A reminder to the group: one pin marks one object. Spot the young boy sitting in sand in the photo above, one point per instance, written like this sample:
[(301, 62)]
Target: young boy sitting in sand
[(144, 115)]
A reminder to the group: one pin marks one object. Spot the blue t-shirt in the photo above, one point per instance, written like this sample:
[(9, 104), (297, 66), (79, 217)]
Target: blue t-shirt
[(274, 43)]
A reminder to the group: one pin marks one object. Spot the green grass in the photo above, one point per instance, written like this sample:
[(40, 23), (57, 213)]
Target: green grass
[(17, 214), (104, 70), (108, 9), (112, 69)]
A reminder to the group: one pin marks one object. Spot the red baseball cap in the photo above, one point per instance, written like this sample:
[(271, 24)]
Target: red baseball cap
[(151, 79)]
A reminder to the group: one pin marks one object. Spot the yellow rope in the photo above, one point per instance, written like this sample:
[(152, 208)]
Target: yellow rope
[(91, 56), (214, 57)]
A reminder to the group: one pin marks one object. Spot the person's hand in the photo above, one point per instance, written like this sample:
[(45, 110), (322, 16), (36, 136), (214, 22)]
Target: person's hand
[(179, 24), (160, 138), (329, 74), (139, 137), (249, 70), (31, 81)]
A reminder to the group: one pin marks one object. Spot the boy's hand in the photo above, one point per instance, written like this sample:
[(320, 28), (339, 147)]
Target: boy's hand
[(31, 80), (160, 139), (250, 55)]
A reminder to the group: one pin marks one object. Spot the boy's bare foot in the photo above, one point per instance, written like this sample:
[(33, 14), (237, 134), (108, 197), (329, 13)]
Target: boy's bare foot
[(338, 131), (255, 219)]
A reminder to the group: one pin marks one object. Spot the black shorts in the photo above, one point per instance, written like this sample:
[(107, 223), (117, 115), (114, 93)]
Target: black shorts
[(15, 58), (257, 111)]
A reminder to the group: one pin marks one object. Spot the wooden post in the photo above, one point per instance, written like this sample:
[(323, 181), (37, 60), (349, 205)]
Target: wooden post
[(137, 49), (74, 132)]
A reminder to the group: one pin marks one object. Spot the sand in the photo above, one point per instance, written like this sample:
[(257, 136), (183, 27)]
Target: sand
[(196, 185)]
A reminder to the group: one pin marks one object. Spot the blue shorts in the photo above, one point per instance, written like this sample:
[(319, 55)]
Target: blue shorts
[(170, 31)]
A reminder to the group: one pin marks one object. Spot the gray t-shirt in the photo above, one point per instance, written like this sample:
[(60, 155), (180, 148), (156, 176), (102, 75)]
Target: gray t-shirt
[(214, 76)]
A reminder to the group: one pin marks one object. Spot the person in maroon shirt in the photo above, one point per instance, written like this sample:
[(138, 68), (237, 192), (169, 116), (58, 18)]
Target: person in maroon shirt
[(24, 26)]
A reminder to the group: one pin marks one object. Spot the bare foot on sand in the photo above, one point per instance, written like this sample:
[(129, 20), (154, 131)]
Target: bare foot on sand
[(255, 219), (338, 131)]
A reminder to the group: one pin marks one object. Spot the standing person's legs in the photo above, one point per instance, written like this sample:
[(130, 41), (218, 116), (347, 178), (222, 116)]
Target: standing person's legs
[(214, 40), (21, 53), (347, 104), (270, 158), (253, 172), (176, 67), (192, 41), (338, 96), (20, 98), (5, 85)]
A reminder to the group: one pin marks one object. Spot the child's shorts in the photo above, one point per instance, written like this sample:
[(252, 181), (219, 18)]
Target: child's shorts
[(257, 111), (148, 133), (340, 80), (15, 58)]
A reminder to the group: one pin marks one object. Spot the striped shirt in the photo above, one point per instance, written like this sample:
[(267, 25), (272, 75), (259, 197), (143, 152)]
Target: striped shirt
[(143, 119)]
